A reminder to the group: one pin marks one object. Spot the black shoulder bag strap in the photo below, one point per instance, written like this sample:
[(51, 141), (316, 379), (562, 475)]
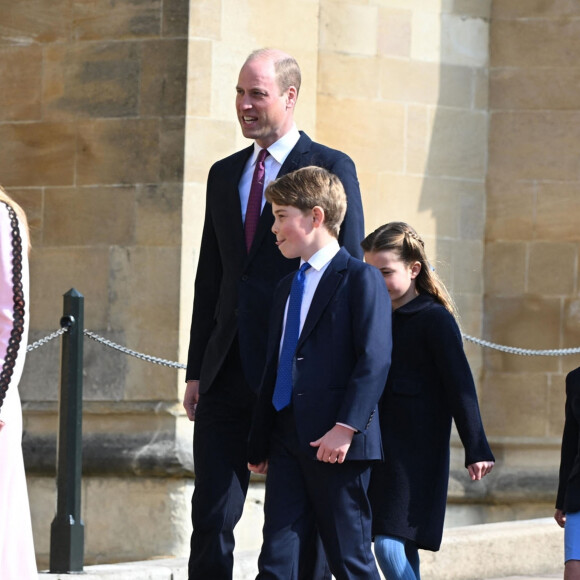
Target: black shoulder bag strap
[(18, 293)]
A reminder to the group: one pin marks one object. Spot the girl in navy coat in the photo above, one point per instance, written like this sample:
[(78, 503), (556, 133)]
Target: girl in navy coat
[(429, 384)]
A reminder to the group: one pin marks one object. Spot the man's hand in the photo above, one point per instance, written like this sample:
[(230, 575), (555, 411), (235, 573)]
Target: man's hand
[(560, 518), (191, 398), (479, 469), (334, 445), (261, 468)]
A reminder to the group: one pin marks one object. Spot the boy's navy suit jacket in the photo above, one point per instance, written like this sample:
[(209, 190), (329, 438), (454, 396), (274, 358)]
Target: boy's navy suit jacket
[(341, 362)]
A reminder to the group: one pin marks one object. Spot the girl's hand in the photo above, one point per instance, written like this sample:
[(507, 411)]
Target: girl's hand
[(560, 518), (479, 469)]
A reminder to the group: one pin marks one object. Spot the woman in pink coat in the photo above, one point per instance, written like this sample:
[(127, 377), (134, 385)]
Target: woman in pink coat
[(17, 560)]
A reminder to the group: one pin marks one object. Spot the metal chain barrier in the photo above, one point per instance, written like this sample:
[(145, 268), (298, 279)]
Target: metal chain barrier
[(145, 357), (176, 365)]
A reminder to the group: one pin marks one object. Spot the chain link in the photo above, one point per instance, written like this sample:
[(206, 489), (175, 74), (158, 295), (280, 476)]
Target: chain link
[(123, 349), (522, 351), (46, 339), (176, 365)]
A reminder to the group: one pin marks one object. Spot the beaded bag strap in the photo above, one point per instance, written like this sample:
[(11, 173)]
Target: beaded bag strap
[(19, 307)]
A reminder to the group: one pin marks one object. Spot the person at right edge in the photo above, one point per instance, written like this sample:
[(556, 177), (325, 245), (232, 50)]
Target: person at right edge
[(567, 513), (239, 268), (429, 384)]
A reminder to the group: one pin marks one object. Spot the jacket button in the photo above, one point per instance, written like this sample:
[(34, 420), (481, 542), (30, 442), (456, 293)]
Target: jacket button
[(245, 278)]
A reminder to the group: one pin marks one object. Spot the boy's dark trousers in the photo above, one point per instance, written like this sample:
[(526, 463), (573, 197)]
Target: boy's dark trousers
[(301, 490)]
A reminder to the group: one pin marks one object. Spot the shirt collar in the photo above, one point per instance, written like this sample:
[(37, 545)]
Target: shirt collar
[(324, 255), (281, 148)]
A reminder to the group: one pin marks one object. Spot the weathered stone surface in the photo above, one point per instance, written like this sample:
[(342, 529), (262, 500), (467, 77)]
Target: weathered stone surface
[(163, 78), (119, 151), (20, 71), (92, 80), (103, 20), (37, 154), (90, 216)]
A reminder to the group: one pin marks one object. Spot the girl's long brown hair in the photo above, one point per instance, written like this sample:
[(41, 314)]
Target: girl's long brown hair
[(401, 238)]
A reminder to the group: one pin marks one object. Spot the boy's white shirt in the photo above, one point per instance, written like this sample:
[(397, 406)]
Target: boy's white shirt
[(318, 264)]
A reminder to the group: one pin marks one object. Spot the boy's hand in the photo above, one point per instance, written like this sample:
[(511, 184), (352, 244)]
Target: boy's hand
[(334, 445), (479, 469), (261, 468)]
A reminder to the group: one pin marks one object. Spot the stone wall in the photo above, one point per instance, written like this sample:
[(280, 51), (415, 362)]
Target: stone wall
[(460, 116), (532, 238)]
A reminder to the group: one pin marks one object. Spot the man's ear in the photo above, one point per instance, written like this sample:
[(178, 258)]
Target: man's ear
[(291, 96), (317, 216)]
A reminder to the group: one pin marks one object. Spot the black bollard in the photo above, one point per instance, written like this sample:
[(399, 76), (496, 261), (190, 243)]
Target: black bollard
[(67, 529)]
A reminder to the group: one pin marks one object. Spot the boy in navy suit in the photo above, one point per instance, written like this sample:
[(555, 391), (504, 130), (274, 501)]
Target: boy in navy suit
[(316, 430)]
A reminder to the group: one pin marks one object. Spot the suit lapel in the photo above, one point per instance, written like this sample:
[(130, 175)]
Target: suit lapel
[(232, 196), (326, 289)]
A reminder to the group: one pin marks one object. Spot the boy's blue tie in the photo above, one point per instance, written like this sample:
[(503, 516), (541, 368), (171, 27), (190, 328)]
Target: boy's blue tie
[(283, 389)]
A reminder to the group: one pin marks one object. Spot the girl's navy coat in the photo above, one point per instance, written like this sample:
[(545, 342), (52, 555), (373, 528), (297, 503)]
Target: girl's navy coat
[(429, 383), (568, 499)]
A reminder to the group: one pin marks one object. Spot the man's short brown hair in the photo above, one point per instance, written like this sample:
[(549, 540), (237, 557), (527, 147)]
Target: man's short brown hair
[(309, 187)]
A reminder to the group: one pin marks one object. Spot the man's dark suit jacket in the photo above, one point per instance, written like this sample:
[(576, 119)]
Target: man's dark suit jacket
[(341, 363), (234, 289), (568, 499)]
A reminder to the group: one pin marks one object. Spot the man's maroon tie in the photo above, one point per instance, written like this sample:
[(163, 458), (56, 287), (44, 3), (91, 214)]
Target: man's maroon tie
[(255, 200)]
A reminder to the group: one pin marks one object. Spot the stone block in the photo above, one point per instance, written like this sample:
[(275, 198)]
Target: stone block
[(523, 322), (172, 144), (206, 141), (349, 76), (348, 27), (37, 154), (535, 42), (552, 268), (35, 22), (158, 215), (417, 136), (101, 20), (205, 19), (534, 145), (54, 271), (380, 123), (505, 268), (458, 146), (535, 88), (481, 89), (95, 216), (503, 392), (118, 151), (176, 17), (512, 9), (199, 79), (394, 32), (163, 78), (558, 204), (132, 270), (511, 210), (433, 83), (20, 71), (449, 39), (467, 267), (91, 80)]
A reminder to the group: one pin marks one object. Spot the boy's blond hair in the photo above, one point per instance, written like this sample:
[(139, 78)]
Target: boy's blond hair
[(309, 187)]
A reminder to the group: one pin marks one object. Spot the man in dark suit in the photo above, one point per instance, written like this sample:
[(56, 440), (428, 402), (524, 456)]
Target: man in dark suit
[(234, 285), (316, 429)]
